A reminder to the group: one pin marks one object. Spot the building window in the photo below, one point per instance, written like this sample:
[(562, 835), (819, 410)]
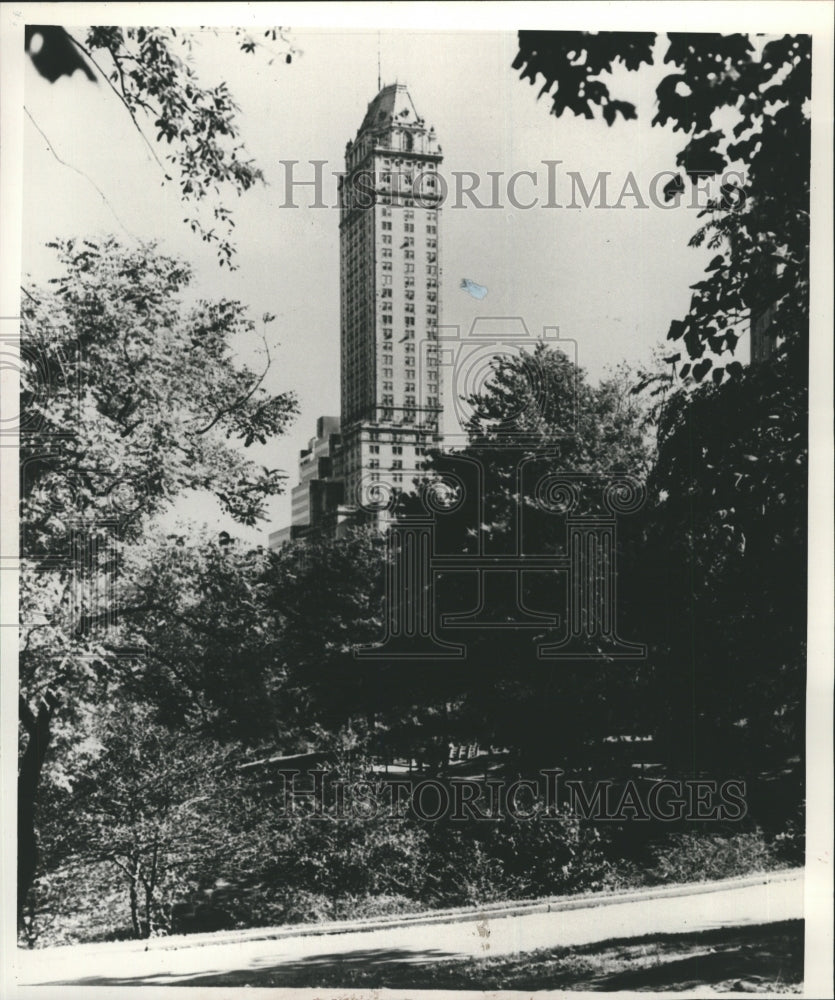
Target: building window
[(374, 463), (397, 463)]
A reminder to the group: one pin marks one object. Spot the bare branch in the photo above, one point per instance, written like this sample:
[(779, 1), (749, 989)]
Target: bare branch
[(242, 399), (122, 98), (87, 177)]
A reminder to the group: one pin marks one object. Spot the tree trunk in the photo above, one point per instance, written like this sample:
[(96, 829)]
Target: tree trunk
[(134, 901), (150, 885), (38, 729)]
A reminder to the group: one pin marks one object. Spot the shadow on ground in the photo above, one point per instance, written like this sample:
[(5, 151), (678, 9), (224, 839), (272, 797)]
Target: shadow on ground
[(758, 958)]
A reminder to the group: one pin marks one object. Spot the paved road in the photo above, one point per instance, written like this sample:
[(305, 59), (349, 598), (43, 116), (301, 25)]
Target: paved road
[(772, 898)]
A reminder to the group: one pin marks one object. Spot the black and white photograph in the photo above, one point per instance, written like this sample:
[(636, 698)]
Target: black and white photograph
[(416, 439)]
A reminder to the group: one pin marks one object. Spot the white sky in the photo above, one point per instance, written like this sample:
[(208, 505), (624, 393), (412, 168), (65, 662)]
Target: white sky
[(609, 279)]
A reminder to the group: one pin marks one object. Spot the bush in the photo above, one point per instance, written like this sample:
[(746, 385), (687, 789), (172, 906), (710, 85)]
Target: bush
[(702, 857)]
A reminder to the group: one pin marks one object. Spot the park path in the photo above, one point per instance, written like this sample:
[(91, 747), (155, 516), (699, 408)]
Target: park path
[(754, 900)]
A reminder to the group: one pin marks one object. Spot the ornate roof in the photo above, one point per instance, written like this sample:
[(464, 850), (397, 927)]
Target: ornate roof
[(392, 106)]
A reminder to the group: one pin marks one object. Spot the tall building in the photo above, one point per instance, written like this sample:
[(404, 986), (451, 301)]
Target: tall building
[(316, 498), (389, 230)]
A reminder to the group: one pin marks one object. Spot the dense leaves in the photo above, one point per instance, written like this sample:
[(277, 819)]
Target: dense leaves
[(574, 62), (742, 104), (196, 126), (141, 817), (538, 415), (722, 563), (129, 399)]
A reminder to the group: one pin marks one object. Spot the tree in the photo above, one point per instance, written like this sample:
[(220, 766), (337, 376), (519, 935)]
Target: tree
[(740, 105), (196, 127), (129, 399), (538, 415), (142, 816), (721, 559), (211, 643)]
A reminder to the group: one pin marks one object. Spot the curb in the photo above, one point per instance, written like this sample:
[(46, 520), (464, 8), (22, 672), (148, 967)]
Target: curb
[(553, 904)]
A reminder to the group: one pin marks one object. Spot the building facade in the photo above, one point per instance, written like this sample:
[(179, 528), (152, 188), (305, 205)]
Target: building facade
[(390, 306), (389, 230), (316, 499)]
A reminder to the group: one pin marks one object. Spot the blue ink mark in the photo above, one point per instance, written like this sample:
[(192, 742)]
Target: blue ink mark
[(477, 291)]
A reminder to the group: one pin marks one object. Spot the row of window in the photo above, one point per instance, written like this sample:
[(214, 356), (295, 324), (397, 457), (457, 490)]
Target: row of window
[(388, 161), (408, 215), (408, 334), (432, 378)]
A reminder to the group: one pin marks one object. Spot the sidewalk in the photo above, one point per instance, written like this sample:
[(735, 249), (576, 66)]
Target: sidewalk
[(429, 937)]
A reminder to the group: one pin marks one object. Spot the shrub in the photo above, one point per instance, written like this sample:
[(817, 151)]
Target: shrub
[(701, 857)]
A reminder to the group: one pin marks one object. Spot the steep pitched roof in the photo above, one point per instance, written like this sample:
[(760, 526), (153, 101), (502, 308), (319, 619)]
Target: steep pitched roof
[(393, 105)]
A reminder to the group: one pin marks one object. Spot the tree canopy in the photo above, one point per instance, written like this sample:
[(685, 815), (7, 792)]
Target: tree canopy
[(191, 129), (130, 399), (741, 102)]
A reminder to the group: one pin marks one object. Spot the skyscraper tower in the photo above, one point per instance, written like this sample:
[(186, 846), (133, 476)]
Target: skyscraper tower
[(389, 200)]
